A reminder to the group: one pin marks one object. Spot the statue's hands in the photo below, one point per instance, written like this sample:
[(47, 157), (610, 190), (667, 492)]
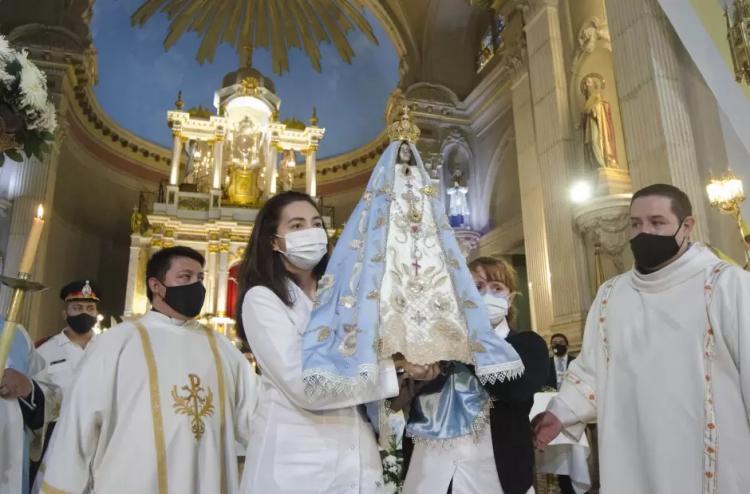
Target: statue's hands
[(417, 372)]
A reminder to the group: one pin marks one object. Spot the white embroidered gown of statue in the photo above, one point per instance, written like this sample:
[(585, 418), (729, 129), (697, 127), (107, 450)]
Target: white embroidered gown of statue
[(418, 312)]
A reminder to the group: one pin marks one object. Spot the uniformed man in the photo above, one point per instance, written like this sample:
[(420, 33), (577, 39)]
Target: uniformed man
[(63, 350)]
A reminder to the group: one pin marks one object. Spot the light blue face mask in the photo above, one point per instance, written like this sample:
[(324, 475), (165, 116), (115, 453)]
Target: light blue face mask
[(498, 305)]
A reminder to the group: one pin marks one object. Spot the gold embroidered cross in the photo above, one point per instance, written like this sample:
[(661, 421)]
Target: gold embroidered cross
[(196, 404)]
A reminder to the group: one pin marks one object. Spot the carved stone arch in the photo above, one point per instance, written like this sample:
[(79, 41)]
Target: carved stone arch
[(429, 92), (457, 157), (57, 37), (489, 182)]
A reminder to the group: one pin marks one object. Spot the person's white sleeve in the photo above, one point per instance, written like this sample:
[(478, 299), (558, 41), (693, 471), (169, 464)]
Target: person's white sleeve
[(729, 314), (66, 466), (274, 341), (575, 404), (245, 395)]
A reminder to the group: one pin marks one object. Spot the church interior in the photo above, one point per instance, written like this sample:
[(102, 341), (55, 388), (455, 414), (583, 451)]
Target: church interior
[(538, 118), (501, 90)]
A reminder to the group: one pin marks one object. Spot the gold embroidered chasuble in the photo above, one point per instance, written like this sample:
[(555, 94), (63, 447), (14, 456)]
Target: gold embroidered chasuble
[(158, 405)]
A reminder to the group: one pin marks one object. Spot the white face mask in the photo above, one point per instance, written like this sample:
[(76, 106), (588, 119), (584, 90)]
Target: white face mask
[(305, 248), (497, 306)]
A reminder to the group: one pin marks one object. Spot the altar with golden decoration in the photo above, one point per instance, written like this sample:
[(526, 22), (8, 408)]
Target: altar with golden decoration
[(224, 166)]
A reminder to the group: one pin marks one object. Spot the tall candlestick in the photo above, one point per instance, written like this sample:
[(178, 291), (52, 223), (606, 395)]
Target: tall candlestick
[(29, 252), (20, 286)]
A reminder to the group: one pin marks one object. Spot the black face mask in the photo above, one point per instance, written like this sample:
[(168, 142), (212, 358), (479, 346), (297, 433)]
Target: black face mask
[(650, 251), (186, 299), (82, 323), (560, 349)]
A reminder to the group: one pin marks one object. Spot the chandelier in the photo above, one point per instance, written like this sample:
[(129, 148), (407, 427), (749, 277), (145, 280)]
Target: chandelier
[(726, 194)]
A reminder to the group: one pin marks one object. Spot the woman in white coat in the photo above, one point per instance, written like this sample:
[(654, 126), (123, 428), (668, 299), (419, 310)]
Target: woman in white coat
[(300, 444)]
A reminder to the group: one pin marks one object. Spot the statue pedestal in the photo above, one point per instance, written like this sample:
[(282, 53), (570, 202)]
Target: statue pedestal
[(468, 242), (613, 181), (604, 223)]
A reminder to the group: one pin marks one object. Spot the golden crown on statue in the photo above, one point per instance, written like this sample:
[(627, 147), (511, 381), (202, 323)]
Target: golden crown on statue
[(404, 129)]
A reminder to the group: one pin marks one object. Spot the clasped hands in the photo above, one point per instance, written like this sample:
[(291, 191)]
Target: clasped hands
[(417, 372), (14, 384)]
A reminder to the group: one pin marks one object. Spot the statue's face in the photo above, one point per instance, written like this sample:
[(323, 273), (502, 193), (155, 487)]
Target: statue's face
[(404, 153)]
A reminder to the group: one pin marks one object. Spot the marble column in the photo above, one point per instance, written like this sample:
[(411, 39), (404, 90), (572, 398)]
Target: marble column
[(310, 178), (176, 152), (222, 279), (272, 172), (210, 282), (558, 162), (133, 265), (33, 184), (655, 112), (532, 212), (218, 163)]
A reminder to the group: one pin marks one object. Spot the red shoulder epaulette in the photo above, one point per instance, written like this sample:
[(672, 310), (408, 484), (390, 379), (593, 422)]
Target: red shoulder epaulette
[(42, 341)]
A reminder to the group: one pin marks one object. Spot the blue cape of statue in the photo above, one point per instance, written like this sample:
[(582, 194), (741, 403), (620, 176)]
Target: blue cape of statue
[(342, 341)]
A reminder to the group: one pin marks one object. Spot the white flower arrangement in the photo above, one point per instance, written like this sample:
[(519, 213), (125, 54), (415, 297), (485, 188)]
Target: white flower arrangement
[(27, 118), (393, 466)]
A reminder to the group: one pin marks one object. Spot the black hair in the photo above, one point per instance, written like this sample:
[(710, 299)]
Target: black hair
[(559, 335), (412, 159), (681, 206), (161, 261), (261, 265)]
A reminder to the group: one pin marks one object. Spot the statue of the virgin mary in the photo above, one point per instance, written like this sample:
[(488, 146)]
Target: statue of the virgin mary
[(396, 282)]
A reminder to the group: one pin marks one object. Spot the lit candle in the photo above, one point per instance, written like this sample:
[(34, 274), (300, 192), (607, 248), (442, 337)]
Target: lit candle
[(29, 252)]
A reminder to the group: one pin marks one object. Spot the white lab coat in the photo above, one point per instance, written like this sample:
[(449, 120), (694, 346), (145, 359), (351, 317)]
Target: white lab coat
[(299, 444)]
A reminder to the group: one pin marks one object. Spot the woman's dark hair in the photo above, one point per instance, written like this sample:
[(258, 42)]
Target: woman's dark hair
[(412, 159), (263, 266)]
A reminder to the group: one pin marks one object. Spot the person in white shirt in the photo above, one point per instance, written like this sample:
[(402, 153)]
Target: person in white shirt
[(299, 443), (63, 351), (158, 403), (559, 361), (665, 365)]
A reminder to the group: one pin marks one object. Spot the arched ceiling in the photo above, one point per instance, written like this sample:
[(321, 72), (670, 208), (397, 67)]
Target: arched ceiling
[(138, 80)]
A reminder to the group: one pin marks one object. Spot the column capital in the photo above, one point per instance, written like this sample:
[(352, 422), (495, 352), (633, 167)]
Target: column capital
[(533, 8), (605, 222)]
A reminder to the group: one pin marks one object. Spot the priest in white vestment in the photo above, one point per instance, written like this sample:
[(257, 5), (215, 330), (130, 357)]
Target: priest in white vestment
[(29, 401), (157, 403), (665, 364)]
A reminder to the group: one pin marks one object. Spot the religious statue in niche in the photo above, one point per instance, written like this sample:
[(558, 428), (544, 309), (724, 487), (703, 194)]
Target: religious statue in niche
[(458, 207), (598, 130), (397, 282)]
